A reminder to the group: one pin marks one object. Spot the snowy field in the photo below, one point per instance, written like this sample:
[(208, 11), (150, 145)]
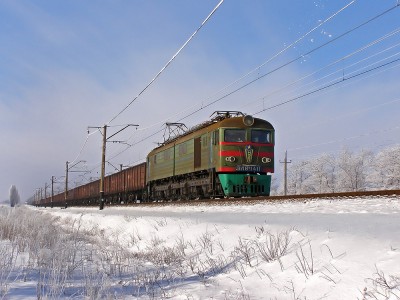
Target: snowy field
[(342, 249)]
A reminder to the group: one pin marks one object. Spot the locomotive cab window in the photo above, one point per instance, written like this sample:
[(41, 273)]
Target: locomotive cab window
[(260, 136), (235, 135)]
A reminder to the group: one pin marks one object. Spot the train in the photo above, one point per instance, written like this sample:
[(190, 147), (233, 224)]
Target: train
[(230, 155)]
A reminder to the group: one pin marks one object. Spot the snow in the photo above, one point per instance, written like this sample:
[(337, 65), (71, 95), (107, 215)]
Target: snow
[(337, 247)]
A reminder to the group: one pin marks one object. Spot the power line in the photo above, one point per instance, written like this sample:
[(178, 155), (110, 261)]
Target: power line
[(347, 138), (327, 86), (326, 120), (272, 58), (288, 63), (332, 64), (168, 63)]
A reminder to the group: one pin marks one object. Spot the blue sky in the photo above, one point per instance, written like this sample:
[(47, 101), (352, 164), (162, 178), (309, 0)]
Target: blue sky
[(66, 65)]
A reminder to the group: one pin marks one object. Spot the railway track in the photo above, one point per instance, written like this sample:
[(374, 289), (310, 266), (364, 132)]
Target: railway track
[(256, 200)]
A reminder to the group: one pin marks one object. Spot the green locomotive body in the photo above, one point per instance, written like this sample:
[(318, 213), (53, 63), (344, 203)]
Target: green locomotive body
[(232, 156)]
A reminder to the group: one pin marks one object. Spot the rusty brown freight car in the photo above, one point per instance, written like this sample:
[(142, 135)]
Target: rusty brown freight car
[(124, 186), (88, 192), (48, 202)]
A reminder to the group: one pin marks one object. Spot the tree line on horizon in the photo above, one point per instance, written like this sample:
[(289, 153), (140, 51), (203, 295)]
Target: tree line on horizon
[(347, 171)]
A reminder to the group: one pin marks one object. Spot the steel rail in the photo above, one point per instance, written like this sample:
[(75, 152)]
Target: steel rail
[(257, 200), (252, 200)]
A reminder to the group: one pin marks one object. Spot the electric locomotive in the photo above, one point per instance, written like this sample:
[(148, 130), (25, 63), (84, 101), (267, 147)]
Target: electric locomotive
[(230, 156)]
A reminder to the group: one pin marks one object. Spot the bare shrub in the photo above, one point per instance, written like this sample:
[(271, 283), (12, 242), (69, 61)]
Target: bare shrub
[(193, 262), (134, 238), (95, 284), (274, 246), (305, 263), (56, 251), (8, 256), (291, 290), (181, 245), (161, 223), (383, 287), (239, 294), (245, 251), (205, 241), (216, 265)]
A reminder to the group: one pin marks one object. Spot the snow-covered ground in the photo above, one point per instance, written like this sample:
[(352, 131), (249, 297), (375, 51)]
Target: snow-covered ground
[(322, 249)]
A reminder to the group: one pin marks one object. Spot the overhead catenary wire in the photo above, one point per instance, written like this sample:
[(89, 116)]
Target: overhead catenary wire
[(369, 133), (336, 81), (167, 64), (202, 106), (346, 82), (276, 55), (347, 56), (364, 109), (288, 63), (327, 86), (297, 41)]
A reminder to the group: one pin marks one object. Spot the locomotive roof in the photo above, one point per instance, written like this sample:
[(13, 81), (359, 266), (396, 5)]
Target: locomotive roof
[(215, 123)]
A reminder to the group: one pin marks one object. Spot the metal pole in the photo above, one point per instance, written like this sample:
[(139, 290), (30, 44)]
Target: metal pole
[(52, 191), (285, 162), (45, 190), (103, 159), (103, 167), (66, 184), (285, 172)]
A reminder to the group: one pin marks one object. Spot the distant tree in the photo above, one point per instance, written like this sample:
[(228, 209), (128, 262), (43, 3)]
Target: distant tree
[(353, 169), (298, 178), (386, 169), (274, 186), (323, 174), (14, 196)]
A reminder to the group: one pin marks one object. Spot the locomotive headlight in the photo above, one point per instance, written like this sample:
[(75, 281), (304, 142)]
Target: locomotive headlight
[(265, 160), (248, 120), (230, 158)]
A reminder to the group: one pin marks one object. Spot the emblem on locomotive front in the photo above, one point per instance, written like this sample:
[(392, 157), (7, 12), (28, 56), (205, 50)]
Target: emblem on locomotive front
[(248, 150)]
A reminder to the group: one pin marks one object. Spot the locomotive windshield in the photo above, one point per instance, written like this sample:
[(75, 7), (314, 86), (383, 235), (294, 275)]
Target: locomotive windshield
[(235, 135), (260, 136)]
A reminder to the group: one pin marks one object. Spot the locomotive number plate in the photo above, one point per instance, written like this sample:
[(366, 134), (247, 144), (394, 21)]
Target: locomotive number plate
[(248, 168)]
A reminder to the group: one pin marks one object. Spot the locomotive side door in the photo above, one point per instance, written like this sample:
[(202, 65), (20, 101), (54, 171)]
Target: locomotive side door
[(197, 152)]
